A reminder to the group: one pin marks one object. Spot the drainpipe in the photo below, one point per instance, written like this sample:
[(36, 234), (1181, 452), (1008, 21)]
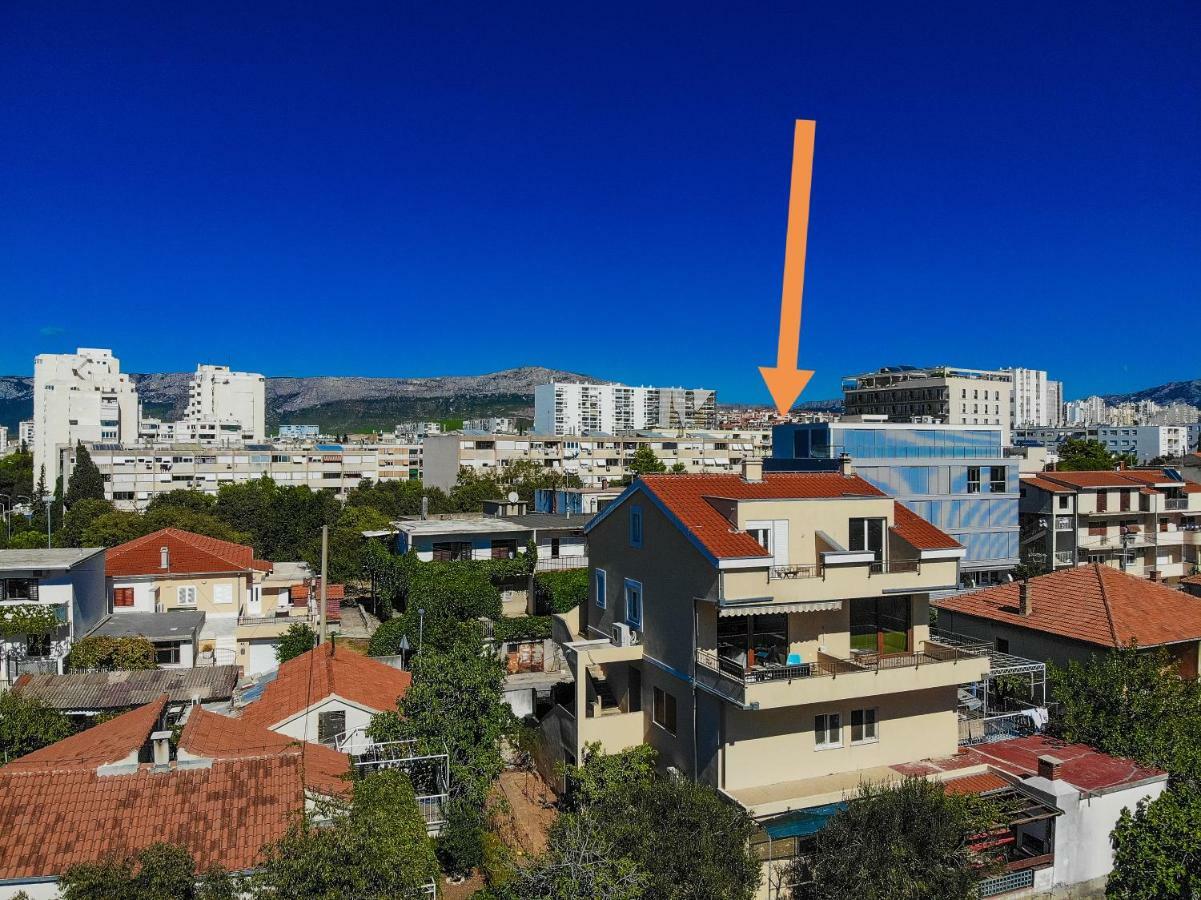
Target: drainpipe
[(695, 631)]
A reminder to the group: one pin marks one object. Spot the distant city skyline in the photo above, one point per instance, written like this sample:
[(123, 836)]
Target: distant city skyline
[(405, 191)]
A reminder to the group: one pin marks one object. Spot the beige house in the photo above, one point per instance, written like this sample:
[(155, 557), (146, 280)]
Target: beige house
[(768, 634), (247, 603)]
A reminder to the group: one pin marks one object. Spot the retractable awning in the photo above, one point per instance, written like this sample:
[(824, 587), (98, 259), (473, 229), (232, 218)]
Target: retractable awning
[(758, 609)]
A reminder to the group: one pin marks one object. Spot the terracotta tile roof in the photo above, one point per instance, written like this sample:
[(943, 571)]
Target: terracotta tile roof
[(108, 742), (312, 676), (1083, 766), (59, 810), (688, 498), (1046, 485), (212, 735), (188, 554), (975, 784), (1123, 478), (919, 533), (334, 596), (1191, 579), (1096, 604)]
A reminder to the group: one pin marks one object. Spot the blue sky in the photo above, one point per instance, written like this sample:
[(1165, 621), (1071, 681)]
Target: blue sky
[(421, 189)]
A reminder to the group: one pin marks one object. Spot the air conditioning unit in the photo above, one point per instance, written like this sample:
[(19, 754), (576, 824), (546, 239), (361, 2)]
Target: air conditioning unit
[(622, 635)]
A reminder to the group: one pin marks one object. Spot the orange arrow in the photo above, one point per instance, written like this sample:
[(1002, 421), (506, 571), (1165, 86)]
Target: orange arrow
[(784, 379)]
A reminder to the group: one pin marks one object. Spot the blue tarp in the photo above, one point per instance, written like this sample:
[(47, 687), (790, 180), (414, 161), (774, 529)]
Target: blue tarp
[(801, 822)]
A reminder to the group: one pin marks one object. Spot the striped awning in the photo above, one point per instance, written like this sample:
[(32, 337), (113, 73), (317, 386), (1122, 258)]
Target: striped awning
[(759, 609)]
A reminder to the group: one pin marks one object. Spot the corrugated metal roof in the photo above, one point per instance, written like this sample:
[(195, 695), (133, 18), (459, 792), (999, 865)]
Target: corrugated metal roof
[(119, 689)]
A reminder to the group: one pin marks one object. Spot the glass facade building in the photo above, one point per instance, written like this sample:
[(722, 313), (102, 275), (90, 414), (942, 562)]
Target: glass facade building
[(956, 477)]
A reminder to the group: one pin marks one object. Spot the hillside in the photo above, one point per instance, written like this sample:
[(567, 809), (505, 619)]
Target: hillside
[(1172, 392), (338, 403)]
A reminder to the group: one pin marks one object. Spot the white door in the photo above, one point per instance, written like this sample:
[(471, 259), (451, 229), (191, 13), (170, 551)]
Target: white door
[(254, 605), (260, 657)]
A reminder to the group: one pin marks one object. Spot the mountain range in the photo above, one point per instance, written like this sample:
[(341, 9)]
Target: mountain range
[(352, 403)]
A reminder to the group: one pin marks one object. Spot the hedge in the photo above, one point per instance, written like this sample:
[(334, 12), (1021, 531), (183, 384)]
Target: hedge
[(560, 592), (522, 628)]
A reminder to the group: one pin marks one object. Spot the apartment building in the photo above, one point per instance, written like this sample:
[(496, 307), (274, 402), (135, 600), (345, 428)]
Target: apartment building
[(942, 394), (25, 433), (218, 395), (492, 425), (1143, 521), (135, 475), (60, 593), (1146, 442), (578, 408), (767, 633), (598, 459), (957, 477), (398, 460), (1036, 400), (299, 432), (80, 396)]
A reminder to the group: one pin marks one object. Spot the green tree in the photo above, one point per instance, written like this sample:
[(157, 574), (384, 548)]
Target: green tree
[(86, 481), (377, 848), (907, 841), (297, 640), (159, 872), (16, 475), (644, 462), (112, 528), (1131, 703), (187, 519), (32, 539), (1076, 455), (678, 468), (77, 518), (111, 653), (27, 725), (603, 778), (1157, 848), (196, 501), (560, 592)]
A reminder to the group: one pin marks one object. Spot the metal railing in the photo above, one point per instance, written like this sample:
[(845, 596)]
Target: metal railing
[(1176, 503), (433, 808), (31, 665), (784, 573), (561, 563), (1064, 557), (895, 567)]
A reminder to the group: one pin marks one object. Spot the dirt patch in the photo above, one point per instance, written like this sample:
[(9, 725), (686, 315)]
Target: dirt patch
[(463, 890), (531, 812)]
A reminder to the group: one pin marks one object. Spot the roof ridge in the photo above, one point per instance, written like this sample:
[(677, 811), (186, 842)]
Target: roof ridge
[(1113, 631)]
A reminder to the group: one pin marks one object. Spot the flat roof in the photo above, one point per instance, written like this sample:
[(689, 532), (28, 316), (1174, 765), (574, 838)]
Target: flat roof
[(556, 521), (463, 525), (61, 558), (173, 625)]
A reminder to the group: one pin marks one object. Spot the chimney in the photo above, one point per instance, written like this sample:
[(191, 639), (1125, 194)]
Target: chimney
[(1153, 575), (425, 507), (1024, 604), (845, 466), (752, 469), (1049, 767), (164, 558), (162, 749)]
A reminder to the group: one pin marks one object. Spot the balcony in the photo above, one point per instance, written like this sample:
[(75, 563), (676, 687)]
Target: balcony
[(830, 679), (826, 581), (1175, 503)]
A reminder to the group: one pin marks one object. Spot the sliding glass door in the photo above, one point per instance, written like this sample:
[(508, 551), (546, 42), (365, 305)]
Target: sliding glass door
[(881, 625)]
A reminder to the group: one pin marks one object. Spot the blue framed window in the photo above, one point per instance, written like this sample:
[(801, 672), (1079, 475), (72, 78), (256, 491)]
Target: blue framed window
[(633, 603), (601, 580), (635, 526)]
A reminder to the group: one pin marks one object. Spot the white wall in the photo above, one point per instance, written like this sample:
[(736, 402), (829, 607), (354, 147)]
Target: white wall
[(305, 727)]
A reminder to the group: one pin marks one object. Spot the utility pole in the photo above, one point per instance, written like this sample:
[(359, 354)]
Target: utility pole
[(324, 567)]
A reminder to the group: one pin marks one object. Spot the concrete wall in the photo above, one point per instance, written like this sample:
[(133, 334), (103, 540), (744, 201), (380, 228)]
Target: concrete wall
[(306, 727)]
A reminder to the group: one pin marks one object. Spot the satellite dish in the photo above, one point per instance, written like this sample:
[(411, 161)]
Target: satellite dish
[(512, 496)]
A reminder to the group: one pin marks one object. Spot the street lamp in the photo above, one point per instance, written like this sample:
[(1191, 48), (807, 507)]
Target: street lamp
[(420, 627), (48, 499)]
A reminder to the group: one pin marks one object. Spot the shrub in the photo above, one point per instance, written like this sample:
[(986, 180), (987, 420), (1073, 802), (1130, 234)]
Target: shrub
[(127, 653), (560, 592), (522, 628)]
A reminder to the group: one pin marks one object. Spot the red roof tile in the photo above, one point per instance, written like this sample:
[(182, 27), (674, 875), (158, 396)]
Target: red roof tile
[(1096, 604), (919, 533), (1118, 478), (975, 784), (1083, 766), (1191, 579), (1046, 485), (688, 498), (336, 593), (309, 678), (108, 742), (188, 554), (212, 735)]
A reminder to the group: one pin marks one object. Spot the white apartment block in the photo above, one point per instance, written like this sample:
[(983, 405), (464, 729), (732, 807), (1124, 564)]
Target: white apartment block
[(3, 439), (217, 395), (25, 434), (133, 476), (1089, 411), (80, 396), (578, 408), (492, 425), (1146, 442), (1029, 403), (598, 460), (941, 394), (1055, 403)]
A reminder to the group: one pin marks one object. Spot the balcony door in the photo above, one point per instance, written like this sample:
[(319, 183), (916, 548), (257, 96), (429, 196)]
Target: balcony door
[(747, 642), (881, 625), (868, 535)]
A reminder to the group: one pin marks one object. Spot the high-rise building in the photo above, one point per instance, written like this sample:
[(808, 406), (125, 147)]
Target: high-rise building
[(25, 434), (80, 396), (1036, 401), (579, 408), (1054, 403), (939, 394), (218, 395)]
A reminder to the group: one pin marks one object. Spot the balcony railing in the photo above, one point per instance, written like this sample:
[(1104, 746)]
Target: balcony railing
[(561, 563), (1064, 557), (785, 573), (1176, 503), (895, 567)]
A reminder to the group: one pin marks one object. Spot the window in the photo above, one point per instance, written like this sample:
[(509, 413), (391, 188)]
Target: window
[(123, 596), (1002, 645), (167, 654), (504, 549), (996, 479), (973, 479), (827, 731), (19, 589), (746, 642), (868, 535), (1063, 501), (451, 550), (1102, 501), (863, 726), (880, 625), (223, 593), (633, 603), (38, 645), (664, 712), (1124, 501), (330, 725), (601, 579), (185, 596), (554, 548), (762, 537), (635, 526)]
